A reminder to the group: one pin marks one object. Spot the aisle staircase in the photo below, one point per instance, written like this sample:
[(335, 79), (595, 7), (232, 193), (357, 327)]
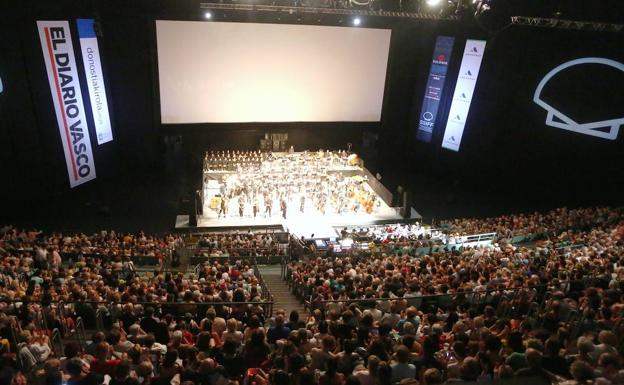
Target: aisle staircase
[(284, 299)]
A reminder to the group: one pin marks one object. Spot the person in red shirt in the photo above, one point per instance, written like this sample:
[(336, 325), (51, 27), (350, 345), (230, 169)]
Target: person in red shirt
[(102, 363)]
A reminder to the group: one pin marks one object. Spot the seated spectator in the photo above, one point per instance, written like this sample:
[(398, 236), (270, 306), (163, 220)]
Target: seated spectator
[(122, 375), (279, 331), (402, 368), (552, 360), (367, 375), (102, 362), (607, 340), (256, 350), (331, 376), (609, 369), (320, 356), (232, 333), (534, 363), (80, 375), (35, 350), (432, 376), (231, 359)]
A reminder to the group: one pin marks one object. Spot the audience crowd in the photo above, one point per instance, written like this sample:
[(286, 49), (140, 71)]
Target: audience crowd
[(554, 221), (239, 244), (543, 312), (105, 244)]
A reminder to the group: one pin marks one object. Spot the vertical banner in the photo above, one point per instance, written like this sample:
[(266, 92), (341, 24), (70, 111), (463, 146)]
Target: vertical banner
[(58, 54), (462, 97), (435, 86), (95, 79)]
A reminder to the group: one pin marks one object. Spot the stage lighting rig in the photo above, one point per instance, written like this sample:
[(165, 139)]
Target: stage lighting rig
[(408, 11), (492, 15)]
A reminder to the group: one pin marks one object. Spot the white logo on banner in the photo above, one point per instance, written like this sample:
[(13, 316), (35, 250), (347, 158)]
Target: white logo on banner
[(567, 123), (462, 97), (58, 54)]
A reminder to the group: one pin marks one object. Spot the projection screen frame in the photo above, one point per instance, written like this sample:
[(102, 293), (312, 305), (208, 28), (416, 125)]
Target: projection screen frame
[(382, 92)]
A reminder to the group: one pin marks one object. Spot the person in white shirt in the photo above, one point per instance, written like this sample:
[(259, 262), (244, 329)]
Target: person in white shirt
[(35, 350), (367, 375)]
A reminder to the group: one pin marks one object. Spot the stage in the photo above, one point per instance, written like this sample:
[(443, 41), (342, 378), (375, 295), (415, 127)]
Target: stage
[(307, 225), (309, 195)]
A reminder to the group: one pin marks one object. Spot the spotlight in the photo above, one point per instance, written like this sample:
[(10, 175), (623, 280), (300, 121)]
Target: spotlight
[(208, 15), (433, 3), (357, 21), (493, 15)]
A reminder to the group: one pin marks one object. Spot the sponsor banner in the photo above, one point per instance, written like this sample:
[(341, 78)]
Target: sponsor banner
[(462, 97), (95, 79), (58, 54), (435, 86)]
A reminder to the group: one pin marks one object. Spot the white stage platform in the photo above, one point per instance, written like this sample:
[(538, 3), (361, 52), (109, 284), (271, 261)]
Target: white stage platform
[(301, 224)]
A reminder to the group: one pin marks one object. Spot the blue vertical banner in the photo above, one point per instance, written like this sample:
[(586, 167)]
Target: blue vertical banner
[(95, 79), (435, 86)]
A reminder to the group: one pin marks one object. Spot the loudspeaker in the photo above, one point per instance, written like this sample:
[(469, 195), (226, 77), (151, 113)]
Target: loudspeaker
[(187, 207), (405, 207)]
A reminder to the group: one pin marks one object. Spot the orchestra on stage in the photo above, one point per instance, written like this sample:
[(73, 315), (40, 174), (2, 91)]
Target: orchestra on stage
[(265, 184)]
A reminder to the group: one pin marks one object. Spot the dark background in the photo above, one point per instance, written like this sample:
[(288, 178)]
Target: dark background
[(509, 159)]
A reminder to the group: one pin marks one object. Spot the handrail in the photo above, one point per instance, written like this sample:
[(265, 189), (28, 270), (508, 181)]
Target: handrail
[(232, 250), (81, 333), (55, 343), (142, 303), (99, 319), (15, 332), (44, 320), (62, 317), (233, 258), (481, 298), (472, 292), (68, 254), (264, 289), (574, 246)]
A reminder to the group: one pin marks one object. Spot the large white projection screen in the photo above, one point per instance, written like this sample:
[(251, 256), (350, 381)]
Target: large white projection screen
[(242, 72)]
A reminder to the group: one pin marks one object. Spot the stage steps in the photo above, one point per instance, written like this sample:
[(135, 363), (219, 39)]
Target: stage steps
[(284, 299)]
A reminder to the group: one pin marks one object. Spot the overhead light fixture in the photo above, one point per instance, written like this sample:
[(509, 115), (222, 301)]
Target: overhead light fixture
[(433, 3), (493, 15), (357, 21), (208, 15)]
